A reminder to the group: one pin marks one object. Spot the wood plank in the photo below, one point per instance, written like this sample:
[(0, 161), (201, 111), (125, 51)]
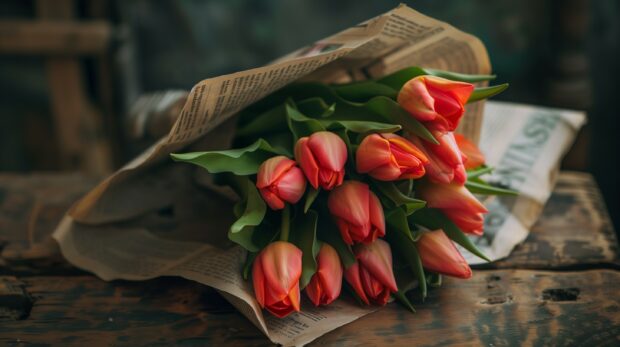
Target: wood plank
[(495, 307), (54, 38)]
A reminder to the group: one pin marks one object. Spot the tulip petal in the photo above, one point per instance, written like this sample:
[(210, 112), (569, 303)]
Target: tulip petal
[(272, 169), (415, 99), (350, 202), (377, 259), (292, 185), (306, 161), (440, 255), (329, 150), (377, 217), (373, 152), (352, 276), (272, 199), (450, 196), (474, 156)]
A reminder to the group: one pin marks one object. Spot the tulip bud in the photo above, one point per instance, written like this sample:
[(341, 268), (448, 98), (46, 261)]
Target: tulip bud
[(372, 277), (457, 203), (279, 181), (357, 212), (275, 274), (445, 160), (322, 156), (325, 285), (435, 101), (439, 255), (389, 157), (472, 155)]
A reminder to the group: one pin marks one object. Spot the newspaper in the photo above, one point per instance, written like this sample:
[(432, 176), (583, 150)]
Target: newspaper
[(155, 218)]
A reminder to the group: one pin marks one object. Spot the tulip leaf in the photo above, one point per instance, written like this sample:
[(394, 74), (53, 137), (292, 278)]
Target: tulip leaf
[(483, 188), (402, 240), (242, 161), (254, 209), (477, 172), (391, 110), (247, 266), (303, 235), (329, 233), (402, 299), (397, 220), (397, 79), (311, 195), (390, 190), (434, 280), (300, 125), (433, 219), (486, 92), (362, 127), (315, 107), (269, 121), (362, 91)]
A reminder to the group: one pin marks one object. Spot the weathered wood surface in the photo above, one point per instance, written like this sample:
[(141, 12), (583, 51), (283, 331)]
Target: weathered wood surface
[(494, 308), (45, 301)]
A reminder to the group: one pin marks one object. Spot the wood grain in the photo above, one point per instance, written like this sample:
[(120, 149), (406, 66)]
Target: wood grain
[(494, 308)]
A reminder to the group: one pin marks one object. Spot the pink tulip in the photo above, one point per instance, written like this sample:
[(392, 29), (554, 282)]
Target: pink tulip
[(473, 155), (372, 277), (435, 101), (389, 157), (279, 181), (439, 255), (445, 160), (275, 274), (322, 156), (457, 203), (357, 212), (325, 285)]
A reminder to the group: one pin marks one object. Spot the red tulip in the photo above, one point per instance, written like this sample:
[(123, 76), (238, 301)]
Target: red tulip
[(357, 212), (275, 274), (435, 101), (440, 255), (474, 158), (371, 276), (389, 157), (445, 160), (325, 285), (279, 181), (457, 203), (322, 156)]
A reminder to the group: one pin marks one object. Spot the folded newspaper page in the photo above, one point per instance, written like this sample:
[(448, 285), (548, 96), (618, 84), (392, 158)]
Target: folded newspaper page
[(156, 218)]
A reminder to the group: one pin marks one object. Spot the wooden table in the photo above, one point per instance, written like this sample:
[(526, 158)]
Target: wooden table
[(560, 287)]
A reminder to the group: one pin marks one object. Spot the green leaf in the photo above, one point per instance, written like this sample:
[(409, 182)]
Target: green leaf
[(247, 266), (433, 219), (267, 122), (361, 91), (242, 161), (390, 190), (300, 125), (311, 195), (486, 92), (483, 188), (362, 126), (402, 299), (404, 244), (254, 209), (454, 76), (391, 110), (315, 107), (434, 280), (475, 173), (303, 235), (397, 79)]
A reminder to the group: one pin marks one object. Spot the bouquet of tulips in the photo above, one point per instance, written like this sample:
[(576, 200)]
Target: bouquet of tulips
[(365, 182)]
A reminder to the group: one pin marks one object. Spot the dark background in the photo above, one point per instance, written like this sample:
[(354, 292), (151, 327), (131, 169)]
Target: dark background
[(553, 53)]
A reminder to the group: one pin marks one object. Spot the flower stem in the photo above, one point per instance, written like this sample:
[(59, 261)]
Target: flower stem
[(286, 223)]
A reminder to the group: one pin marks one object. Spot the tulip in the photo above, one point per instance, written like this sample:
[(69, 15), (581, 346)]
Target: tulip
[(371, 276), (275, 274), (457, 203), (322, 156), (325, 285), (474, 158), (357, 212), (389, 157), (445, 160), (435, 101), (440, 255), (279, 181)]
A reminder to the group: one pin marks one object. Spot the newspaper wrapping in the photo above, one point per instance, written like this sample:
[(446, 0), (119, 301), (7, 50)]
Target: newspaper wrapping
[(154, 218)]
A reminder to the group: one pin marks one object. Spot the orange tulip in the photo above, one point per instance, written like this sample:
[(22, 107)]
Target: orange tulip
[(325, 285), (275, 274), (439, 255), (372, 277), (445, 160), (473, 157), (322, 156), (279, 181), (357, 212), (389, 157), (457, 203), (435, 101)]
